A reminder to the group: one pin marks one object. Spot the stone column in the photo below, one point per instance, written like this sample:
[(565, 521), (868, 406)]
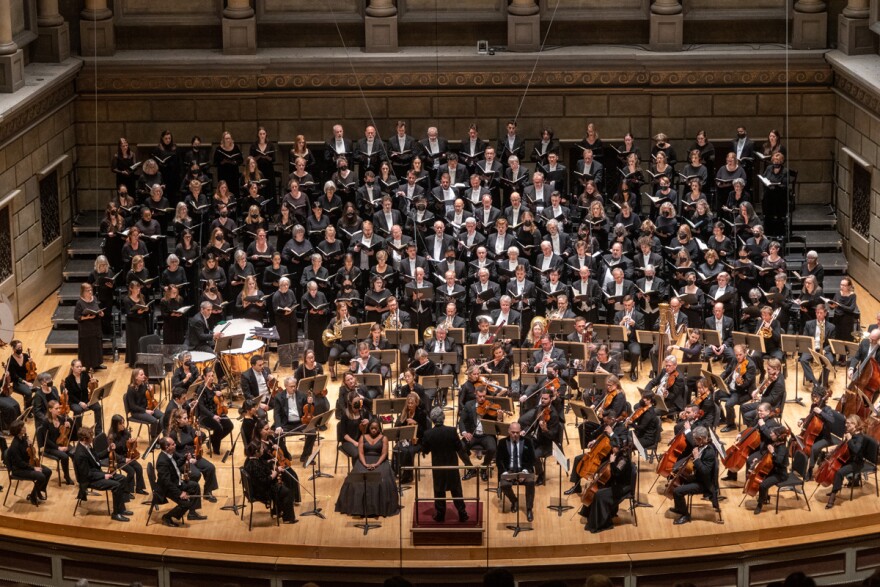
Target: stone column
[(97, 35), (667, 26), (809, 25), (239, 28), (53, 42), (523, 26), (11, 57), (380, 26), (854, 36)]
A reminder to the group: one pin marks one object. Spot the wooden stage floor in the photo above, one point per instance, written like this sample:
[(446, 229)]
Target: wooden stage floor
[(555, 540)]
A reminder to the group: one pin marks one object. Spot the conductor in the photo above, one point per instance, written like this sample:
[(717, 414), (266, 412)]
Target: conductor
[(445, 447)]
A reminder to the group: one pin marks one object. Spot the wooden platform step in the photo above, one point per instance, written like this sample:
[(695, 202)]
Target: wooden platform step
[(813, 216), (63, 316), (68, 293), (65, 340), (78, 269), (83, 246), (820, 240), (88, 222)]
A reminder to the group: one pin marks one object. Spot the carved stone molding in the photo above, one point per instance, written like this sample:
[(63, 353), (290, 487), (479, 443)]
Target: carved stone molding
[(858, 93), (168, 81), (35, 110)]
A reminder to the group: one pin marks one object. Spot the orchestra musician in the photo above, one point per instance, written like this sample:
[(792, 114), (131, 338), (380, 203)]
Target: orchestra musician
[(631, 320), (867, 350), (829, 417), (446, 448), (172, 485), (771, 391), (352, 422), (289, 407), (184, 435), (367, 363), (740, 376), (766, 421), (516, 455), (273, 451), (20, 464), (669, 384), (311, 368), (262, 476), (136, 403), (612, 401), (545, 427), (213, 410), (779, 472), (16, 366), (119, 438), (54, 437), (255, 381), (199, 335), (470, 426), (548, 355), (614, 429), (77, 386), (647, 425), (705, 462), (412, 414), (44, 392), (185, 373), (605, 504), (821, 331), (860, 446), (91, 476)]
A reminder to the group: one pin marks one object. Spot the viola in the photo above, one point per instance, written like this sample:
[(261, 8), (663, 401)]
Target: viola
[(281, 461), (274, 387), (33, 456), (763, 467), (672, 454), (637, 414), (741, 371), (221, 408), (6, 390), (63, 433), (111, 462), (831, 465), (31, 369), (197, 446), (738, 454), (64, 401), (488, 410), (131, 449), (308, 411), (152, 400)]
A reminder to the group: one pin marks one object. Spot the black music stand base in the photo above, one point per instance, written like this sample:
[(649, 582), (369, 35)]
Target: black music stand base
[(561, 507), (516, 527), (234, 507), (315, 511), (796, 399), (369, 478)]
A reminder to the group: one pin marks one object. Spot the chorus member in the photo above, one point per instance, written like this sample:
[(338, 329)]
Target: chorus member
[(88, 315), (137, 320)]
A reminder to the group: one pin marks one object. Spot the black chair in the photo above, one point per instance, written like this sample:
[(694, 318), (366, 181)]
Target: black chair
[(339, 441), (249, 497), (633, 495), (84, 488), (869, 467), (795, 480), (12, 486), (129, 417), (155, 499)]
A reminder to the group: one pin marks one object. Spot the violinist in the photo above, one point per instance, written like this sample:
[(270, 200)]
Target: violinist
[(688, 419), (645, 421), (669, 384), (412, 414), (17, 367), (468, 390), (516, 454), (705, 463), (54, 437), (44, 392), (185, 436), (606, 501), (185, 374), (255, 381), (771, 391), (612, 402), (364, 362), (263, 476), (826, 415), (779, 472), (859, 446), (705, 401), (25, 465), (545, 427), (172, 485), (766, 421), (77, 386), (136, 403), (251, 421), (470, 425), (290, 407), (120, 437), (311, 368), (347, 391), (213, 411), (178, 402), (90, 475), (542, 358), (614, 430), (740, 376), (820, 331), (9, 408)]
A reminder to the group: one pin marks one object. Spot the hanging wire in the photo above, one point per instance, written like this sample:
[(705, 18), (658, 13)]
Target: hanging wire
[(537, 59)]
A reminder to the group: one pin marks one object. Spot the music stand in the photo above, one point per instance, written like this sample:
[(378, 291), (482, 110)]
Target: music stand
[(591, 380), (393, 405), (312, 384), (820, 358), (505, 402), (395, 435), (509, 332), (435, 381), (456, 335), (584, 412), (234, 507), (310, 462), (368, 478), (502, 379), (401, 336), (846, 349), (227, 343), (356, 332), (443, 359), (754, 342), (312, 427), (97, 397), (797, 344), (369, 379), (480, 352), (518, 479), (652, 338), (716, 381), (709, 337), (559, 456), (691, 370), (560, 327), (574, 351)]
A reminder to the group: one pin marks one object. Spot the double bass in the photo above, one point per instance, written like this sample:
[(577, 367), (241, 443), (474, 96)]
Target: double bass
[(861, 391)]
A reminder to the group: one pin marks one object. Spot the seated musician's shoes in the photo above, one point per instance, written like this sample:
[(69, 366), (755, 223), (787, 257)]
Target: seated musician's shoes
[(633, 376), (463, 516), (119, 518), (289, 521), (484, 475), (127, 513), (211, 498), (831, 499), (731, 476), (68, 481), (169, 521), (530, 516), (576, 488), (42, 496), (142, 492), (514, 505), (685, 519), (82, 496), (470, 474), (33, 499), (759, 507), (651, 374), (728, 428), (677, 512), (193, 515)]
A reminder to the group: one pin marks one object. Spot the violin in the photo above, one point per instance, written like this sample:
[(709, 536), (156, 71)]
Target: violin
[(33, 455), (763, 467), (186, 466), (489, 410), (274, 387), (221, 408), (197, 446), (308, 411), (131, 449), (741, 370), (63, 433), (31, 368), (111, 462), (64, 401), (280, 460), (92, 384), (637, 414), (6, 390), (152, 400)]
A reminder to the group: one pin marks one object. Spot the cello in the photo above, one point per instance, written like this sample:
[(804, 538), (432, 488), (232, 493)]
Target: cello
[(594, 457), (862, 390), (812, 428), (764, 466), (738, 454), (831, 465), (672, 454)]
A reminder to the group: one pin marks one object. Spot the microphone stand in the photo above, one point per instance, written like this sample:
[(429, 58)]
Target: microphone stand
[(234, 507)]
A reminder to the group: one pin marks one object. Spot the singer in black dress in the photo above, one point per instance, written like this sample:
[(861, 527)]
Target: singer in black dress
[(88, 315)]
